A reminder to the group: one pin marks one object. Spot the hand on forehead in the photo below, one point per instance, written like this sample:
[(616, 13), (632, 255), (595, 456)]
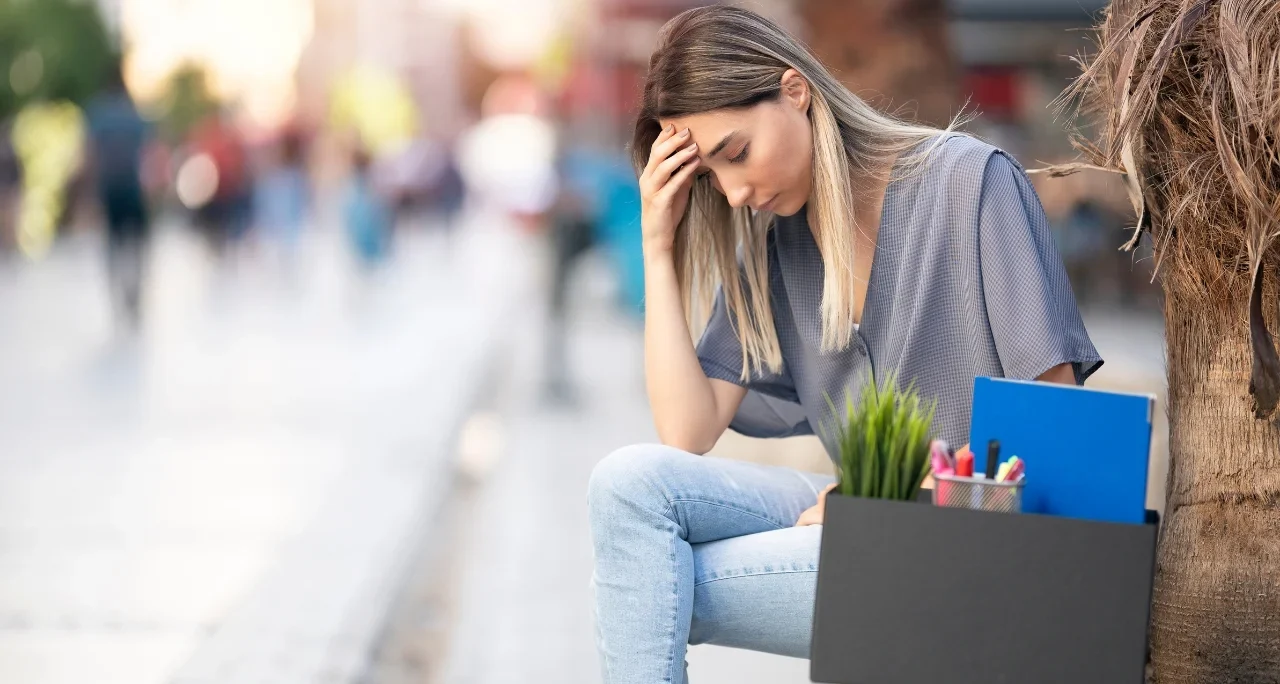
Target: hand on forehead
[(715, 132)]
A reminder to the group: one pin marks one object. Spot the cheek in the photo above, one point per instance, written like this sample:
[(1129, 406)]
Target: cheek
[(800, 159), (798, 152), (781, 168)]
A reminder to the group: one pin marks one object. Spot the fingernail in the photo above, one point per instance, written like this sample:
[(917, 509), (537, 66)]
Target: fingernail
[(671, 128), (684, 133)]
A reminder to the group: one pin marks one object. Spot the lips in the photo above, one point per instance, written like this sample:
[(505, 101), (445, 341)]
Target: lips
[(768, 206)]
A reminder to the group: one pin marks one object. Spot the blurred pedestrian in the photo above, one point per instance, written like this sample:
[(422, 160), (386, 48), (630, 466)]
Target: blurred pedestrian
[(225, 216), (117, 137), (572, 235), (367, 215), (283, 197), (10, 186)]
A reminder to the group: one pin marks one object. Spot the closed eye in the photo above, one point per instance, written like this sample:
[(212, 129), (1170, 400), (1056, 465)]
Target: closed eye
[(741, 156)]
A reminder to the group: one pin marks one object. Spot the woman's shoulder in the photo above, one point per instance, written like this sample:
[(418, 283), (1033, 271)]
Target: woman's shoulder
[(964, 164), (950, 153)]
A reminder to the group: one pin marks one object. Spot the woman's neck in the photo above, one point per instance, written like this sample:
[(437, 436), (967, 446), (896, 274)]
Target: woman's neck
[(868, 203), (869, 192)]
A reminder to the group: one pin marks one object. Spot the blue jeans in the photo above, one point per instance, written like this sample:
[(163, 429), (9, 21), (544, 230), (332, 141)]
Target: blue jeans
[(698, 550)]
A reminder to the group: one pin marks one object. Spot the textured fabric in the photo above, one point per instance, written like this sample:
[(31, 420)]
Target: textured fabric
[(698, 550), (966, 282)]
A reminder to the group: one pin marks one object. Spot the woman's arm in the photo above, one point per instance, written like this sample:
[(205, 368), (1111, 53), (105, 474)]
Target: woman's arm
[(690, 410), (1063, 374)]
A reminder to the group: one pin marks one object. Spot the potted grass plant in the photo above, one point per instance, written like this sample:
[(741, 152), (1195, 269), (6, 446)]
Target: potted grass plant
[(883, 442)]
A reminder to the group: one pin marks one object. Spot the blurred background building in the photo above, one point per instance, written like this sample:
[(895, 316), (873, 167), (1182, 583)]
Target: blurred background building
[(316, 314)]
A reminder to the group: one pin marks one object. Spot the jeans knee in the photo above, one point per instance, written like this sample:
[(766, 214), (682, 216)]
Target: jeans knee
[(630, 477)]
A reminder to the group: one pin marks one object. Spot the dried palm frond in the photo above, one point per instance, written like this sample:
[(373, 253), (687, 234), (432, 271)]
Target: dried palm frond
[(1185, 98)]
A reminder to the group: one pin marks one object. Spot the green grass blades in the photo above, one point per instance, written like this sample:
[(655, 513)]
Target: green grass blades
[(883, 440)]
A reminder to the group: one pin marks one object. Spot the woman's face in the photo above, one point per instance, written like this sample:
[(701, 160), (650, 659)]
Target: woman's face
[(759, 157)]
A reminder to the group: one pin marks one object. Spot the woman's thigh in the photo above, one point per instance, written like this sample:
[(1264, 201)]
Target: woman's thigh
[(707, 498), (757, 591)]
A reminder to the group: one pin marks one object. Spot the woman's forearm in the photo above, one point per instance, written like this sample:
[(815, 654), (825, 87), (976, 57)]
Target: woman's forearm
[(690, 411)]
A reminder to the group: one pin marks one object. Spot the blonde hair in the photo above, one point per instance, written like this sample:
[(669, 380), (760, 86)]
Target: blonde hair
[(723, 57)]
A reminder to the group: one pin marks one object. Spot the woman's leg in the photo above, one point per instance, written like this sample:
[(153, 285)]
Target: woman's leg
[(757, 591), (650, 506)]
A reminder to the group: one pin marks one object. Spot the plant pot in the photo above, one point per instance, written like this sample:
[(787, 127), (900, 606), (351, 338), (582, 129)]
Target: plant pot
[(911, 593)]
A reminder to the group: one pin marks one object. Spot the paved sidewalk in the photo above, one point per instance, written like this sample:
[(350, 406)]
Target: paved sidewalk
[(231, 497)]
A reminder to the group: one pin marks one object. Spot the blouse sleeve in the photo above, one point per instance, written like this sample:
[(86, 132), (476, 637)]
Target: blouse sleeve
[(1031, 308)]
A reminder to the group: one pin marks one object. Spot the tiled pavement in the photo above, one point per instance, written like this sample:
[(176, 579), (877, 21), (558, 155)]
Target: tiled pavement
[(231, 496)]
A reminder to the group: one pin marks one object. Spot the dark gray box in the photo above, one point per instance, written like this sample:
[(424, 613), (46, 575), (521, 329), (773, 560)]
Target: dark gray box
[(911, 593)]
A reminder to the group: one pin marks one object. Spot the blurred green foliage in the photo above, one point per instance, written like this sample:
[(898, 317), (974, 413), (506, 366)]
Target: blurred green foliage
[(187, 100), (52, 50)]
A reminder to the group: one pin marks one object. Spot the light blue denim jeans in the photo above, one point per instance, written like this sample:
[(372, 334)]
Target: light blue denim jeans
[(698, 550)]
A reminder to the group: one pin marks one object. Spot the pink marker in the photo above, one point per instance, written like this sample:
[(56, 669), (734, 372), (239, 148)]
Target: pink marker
[(1016, 471), (938, 456)]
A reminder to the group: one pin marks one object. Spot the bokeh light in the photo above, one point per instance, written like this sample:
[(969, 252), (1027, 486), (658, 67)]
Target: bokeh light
[(26, 71), (197, 181), (47, 138), (374, 105), (251, 48)]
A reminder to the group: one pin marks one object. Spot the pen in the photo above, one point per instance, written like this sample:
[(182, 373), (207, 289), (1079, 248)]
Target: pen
[(993, 458)]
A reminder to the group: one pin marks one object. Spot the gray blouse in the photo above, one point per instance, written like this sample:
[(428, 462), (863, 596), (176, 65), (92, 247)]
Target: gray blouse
[(966, 282)]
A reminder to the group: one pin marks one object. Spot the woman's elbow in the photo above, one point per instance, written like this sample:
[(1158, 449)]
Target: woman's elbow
[(687, 440)]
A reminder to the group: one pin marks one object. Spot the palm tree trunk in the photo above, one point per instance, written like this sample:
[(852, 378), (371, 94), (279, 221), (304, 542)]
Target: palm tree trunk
[(1216, 610)]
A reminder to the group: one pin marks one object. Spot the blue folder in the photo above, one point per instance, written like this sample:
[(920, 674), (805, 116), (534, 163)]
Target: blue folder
[(1086, 450)]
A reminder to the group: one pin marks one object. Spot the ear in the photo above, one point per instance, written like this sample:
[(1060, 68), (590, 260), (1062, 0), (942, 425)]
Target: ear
[(795, 90)]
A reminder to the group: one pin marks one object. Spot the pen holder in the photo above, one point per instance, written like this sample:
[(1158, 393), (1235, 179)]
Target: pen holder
[(977, 494)]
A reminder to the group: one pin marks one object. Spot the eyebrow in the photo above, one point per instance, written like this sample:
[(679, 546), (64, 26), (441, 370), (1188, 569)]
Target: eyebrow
[(721, 145)]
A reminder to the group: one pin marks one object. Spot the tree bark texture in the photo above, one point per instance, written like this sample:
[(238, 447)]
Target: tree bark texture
[(1216, 609)]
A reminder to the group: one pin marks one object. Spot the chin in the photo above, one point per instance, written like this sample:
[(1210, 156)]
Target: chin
[(787, 209)]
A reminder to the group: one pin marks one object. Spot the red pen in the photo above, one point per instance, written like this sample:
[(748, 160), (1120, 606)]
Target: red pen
[(964, 463)]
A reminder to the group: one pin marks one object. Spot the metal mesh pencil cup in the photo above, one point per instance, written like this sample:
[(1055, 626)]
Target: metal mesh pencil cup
[(977, 494)]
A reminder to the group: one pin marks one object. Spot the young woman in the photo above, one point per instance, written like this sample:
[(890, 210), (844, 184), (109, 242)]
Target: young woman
[(844, 244)]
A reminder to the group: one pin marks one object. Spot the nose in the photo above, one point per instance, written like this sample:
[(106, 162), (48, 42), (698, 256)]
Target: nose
[(738, 196)]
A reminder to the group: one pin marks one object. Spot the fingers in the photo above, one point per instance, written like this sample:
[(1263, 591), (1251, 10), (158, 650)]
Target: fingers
[(682, 176), (667, 132), (683, 161), (669, 141)]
